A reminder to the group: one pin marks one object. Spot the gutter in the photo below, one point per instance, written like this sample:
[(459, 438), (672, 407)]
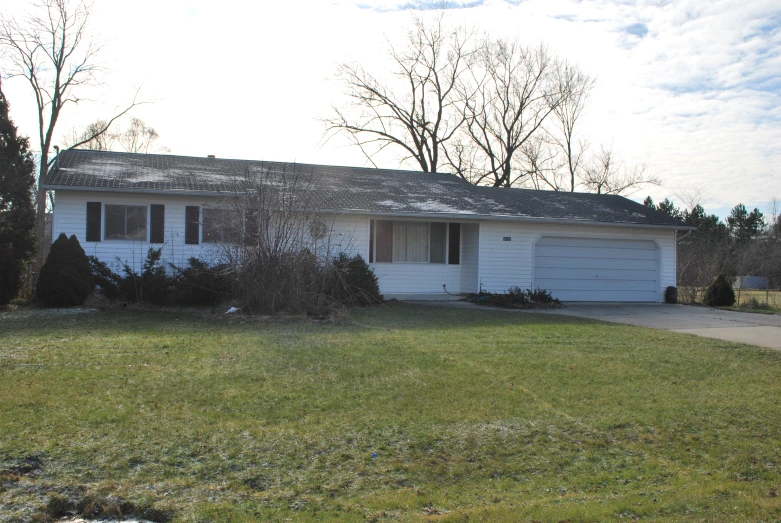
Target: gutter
[(396, 214)]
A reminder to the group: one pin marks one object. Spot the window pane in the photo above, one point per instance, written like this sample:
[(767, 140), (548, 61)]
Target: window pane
[(410, 241), (136, 222), (115, 222), (438, 242), (384, 235), (211, 225), (220, 225)]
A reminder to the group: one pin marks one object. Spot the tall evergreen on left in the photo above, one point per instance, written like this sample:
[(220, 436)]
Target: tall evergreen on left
[(17, 212)]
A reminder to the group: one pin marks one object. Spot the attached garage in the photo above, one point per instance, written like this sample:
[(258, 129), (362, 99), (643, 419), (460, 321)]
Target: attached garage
[(591, 269)]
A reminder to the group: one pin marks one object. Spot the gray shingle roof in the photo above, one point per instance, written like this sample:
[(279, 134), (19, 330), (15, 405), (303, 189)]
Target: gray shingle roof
[(348, 189)]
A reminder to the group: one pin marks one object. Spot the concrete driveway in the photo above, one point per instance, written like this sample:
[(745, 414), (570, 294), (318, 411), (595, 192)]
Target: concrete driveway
[(755, 329)]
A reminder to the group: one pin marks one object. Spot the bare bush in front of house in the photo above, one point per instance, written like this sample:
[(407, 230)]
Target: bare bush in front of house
[(279, 247)]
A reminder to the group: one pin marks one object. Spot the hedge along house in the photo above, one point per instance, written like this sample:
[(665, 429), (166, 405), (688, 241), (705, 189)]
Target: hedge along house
[(426, 235)]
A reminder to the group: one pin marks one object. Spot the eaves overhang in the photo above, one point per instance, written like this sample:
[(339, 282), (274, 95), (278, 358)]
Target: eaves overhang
[(397, 214)]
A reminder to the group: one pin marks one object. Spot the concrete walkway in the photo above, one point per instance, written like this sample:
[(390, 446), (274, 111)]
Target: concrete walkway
[(763, 330)]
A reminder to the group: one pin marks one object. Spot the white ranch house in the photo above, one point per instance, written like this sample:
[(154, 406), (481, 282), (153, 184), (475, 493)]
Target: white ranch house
[(427, 236)]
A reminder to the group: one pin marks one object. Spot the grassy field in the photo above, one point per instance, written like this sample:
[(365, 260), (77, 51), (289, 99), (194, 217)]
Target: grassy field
[(397, 413), (762, 302)]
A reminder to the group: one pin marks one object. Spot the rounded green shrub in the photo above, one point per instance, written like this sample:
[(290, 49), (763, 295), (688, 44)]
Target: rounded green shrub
[(720, 293), (66, 277)]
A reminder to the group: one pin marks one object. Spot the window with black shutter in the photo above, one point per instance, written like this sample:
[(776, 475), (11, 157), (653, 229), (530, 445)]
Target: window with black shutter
[(192, 233), (93, 221), (157, 224)]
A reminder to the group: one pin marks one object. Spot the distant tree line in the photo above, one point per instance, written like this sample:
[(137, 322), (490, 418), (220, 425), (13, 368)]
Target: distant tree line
[(746, 243)]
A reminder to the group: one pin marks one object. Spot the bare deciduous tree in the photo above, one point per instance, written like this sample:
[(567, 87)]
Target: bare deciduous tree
[(90, 138), (279, 249), (509, 94), (417, 116), (137, 137), (53, 51), (606, 175), (576, 87)]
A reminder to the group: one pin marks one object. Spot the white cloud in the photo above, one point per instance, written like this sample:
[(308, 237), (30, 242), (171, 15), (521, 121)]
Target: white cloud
[(697, 96)]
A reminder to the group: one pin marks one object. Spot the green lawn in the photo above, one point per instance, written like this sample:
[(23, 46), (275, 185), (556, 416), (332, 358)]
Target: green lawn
[(472, 414)]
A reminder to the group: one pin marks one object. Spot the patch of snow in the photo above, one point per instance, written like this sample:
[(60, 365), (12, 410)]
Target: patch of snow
[(111, 520), (435, 206), (390, 203)]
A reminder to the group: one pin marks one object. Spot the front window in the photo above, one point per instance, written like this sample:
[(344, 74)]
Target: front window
[(125, 222), (409, 242), (219, 226)]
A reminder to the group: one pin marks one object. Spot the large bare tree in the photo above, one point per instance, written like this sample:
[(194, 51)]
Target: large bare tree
[(508, 94), (417, 115), (52, 49), (576, 86)]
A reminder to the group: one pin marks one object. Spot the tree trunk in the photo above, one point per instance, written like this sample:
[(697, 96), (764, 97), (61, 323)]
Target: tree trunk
[(40, 213)]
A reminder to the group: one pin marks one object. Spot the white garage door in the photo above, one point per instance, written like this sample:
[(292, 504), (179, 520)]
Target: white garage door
[(586, 269)]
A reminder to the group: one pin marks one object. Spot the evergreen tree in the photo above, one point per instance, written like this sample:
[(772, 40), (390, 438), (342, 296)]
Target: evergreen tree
[(668, 207), (17, 213), (665, 207), (66, 278), (708, 225), (745, 226)]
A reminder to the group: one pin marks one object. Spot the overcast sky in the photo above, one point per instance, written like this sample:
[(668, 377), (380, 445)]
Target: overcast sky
[(692, 88)]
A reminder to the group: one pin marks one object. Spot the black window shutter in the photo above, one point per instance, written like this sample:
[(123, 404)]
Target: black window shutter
[(371, 241), (454, 244), (191, 225), (157, 224), (93, 221)]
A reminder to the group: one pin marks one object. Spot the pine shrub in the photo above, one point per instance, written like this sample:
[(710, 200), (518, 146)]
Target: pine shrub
[(153, 285), (353, 281), (105, 278), (720, 293), (66, 277)]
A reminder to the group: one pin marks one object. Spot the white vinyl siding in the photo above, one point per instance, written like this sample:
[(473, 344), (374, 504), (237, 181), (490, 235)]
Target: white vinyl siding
[(597, 269)]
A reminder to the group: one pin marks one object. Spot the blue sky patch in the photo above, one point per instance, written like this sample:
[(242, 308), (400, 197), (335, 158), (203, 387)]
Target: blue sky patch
[(637, 29)]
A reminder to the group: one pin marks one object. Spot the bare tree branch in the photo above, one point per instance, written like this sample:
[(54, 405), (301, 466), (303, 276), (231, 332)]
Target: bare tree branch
[(418, 116), (506, 97), (605, 175), (52, 51)]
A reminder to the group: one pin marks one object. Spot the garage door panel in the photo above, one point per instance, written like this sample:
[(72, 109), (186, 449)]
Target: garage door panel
[(553, 262), (597, 243), (595, 285), (598, 274), (588, 269), (586, 252)]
